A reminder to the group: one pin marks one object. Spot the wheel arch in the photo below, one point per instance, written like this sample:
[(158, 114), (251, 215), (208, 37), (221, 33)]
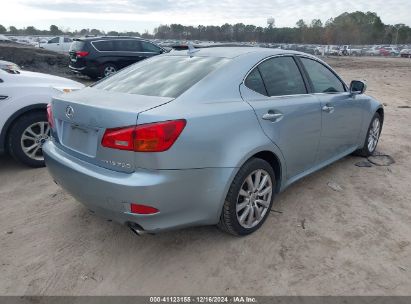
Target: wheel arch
[(275, 161), (6, 128)]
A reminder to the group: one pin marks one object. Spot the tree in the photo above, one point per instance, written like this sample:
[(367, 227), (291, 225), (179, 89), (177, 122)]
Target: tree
[(13, 30), (301, 24), (95, 32), (54, 30), (84, 32), (3, 30), (31, 30)]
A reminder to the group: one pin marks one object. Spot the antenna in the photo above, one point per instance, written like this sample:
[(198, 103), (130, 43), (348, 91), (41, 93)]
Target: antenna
[(191, 49)]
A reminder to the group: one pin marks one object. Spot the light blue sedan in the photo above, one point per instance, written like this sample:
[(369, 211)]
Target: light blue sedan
[(206, 137)]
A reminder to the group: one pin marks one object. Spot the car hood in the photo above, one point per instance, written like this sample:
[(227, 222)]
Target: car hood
[(40, 78)]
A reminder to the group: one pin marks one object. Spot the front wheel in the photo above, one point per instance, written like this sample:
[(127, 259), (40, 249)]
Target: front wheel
[(26, 138), (373, 136), (249, 200)]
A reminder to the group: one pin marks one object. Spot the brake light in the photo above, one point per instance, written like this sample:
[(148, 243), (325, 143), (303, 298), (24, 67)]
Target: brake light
[(142, 209), (50, 118), (82, 54), (153, 137)]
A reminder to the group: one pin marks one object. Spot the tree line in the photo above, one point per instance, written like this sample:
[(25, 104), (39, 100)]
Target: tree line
[(347, 28)]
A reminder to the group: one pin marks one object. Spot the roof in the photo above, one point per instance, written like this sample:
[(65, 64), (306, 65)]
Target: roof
[(232, 52), (93, 38)]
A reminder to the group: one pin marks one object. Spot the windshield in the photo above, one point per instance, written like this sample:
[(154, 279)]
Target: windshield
[(165, 76)]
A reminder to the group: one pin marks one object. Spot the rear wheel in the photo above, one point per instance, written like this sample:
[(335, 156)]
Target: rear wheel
[(249, 200), (26, 138), (108, 69)]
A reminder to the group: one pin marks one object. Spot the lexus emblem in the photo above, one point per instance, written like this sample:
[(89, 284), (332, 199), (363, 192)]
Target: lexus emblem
[(69, 112)]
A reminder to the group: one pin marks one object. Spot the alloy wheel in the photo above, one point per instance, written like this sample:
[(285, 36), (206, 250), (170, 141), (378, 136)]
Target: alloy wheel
[(109, 70), (254, 198), (33, 138), (374, 134)]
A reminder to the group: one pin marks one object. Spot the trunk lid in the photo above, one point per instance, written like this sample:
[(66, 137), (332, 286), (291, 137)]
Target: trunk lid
[(82, 117)]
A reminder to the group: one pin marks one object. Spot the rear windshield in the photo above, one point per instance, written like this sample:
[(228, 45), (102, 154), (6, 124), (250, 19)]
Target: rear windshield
[(165, 76), (76, 45)]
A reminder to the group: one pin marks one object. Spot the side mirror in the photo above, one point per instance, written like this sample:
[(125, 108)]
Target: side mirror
[(357, 87)]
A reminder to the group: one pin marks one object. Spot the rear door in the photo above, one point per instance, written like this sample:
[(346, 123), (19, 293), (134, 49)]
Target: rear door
[(289, 116), (128, 50), (341, 112)]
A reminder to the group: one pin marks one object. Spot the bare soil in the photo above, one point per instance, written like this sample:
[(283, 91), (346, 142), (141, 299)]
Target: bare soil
[(354, 239)]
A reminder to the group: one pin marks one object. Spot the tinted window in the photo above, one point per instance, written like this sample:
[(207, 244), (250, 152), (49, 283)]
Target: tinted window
[(54, 40), (67, 39), (281, 76), (167, 76), (323, 80), (104, 46), (149, 47), (127, 45), (255, 82)]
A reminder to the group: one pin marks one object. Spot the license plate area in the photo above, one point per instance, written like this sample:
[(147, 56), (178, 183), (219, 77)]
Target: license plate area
[(79, 138)]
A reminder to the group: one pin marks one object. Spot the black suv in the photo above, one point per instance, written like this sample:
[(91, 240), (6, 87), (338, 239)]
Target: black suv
[(101, 56)]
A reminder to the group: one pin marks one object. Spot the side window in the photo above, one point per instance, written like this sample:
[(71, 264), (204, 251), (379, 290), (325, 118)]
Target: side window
[(127, 45), (281, 76), (54, 40), (67, 39), (103, 46), (255, 82), (149, 47), (323, 80)]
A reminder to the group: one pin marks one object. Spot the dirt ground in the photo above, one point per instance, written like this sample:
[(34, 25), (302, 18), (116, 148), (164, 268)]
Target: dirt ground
[(355, 240)]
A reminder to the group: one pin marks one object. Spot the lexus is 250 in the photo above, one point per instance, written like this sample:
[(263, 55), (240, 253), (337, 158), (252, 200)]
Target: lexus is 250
[(205, 137)]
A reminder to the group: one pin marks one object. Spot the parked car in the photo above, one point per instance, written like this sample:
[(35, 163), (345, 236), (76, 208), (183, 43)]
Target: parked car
[(406, 53), (210, 137), (333, 50), (57, 44), (102, 56), (23, 120), (373, 51), (390, 51), (348, 50), (9, 67)]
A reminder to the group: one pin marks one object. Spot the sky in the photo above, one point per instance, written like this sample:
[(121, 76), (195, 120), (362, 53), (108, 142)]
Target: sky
[(142, 15)]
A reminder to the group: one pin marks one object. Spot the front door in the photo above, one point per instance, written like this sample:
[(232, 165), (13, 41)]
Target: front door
[(341, 111)]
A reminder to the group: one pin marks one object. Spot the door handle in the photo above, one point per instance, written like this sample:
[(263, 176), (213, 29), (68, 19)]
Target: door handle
[(272, 116), (328, 109)]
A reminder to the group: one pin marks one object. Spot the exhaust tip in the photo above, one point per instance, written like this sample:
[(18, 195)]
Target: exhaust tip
[(137, 229)]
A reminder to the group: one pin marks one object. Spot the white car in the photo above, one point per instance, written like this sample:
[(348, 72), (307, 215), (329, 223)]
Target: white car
[(23, 116), (58, 44)]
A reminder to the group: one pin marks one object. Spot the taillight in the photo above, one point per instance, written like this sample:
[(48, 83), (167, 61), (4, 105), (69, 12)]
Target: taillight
[(81, 54), (153, 137), (142, 209), (50, 118)]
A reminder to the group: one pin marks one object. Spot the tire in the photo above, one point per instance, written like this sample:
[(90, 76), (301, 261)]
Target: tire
[(258, 206), (366, 150), (108, 69), (15, 142)]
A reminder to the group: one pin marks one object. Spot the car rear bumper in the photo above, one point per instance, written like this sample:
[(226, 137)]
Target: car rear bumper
[(85, 70), (184, 197)]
